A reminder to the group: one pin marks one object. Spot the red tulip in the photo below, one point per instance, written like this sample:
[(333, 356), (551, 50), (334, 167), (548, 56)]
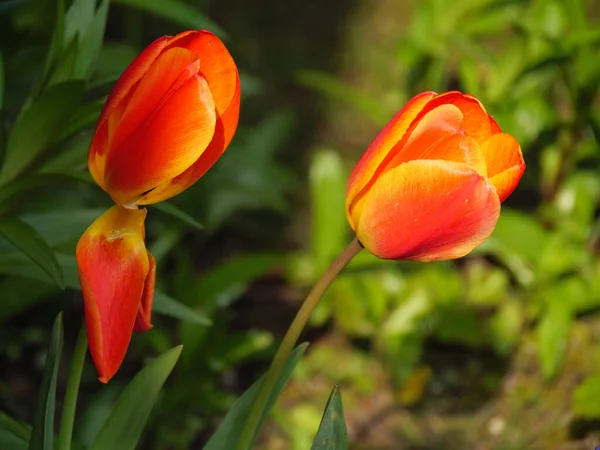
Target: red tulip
[(430, 186), (117, 279), (169, 118)]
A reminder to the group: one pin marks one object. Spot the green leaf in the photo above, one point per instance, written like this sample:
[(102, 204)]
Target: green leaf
[(42, 433), (17, 264), (33, 245), (174, 211), (329, 226), (178, 12), (585, 398), (165, 305), (263, 183), (13, 434), (553, 331), (332, 434), (12, 192), (336, 89), (126, 422), (228, 433), (37, 127), (227, 281), (91, 42)]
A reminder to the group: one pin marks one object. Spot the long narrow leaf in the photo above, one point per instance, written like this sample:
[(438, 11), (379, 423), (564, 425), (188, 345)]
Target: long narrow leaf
[(33, 245), (228, 433), (332, 434), (126, 422), (13, 434), (42, 433)]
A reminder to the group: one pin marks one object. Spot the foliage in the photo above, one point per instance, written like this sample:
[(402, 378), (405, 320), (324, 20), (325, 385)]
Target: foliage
[(526, 298)]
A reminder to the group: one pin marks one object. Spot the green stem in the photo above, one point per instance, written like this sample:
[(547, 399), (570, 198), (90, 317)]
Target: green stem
[(70, 403), (257, 412)]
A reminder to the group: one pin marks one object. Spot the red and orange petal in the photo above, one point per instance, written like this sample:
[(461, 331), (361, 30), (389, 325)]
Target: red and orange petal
[(224, 130), (439, 135), (169, 71), (165, 145), (143, 321), (427, 210), (388, 137), (113, 269), (505, 163), (132, 75)]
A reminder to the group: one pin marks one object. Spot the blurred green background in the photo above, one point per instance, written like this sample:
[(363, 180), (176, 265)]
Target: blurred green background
[(499, 350)]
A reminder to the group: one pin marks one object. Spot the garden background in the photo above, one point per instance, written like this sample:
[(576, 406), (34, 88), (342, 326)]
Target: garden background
[(499, 350)]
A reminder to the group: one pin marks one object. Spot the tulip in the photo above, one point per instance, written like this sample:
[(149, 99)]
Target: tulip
[(169, 118), (430, 185), (117, 279)]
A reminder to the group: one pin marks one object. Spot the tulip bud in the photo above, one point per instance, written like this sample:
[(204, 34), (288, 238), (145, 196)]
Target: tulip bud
[(117, 279), (168, 119), (430, 185)]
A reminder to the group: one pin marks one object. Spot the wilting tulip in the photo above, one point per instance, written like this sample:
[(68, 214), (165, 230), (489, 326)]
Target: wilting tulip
[(429, 187), (117, 279), (169, 118)]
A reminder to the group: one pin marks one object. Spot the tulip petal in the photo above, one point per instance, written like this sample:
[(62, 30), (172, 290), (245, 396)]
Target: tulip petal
[(476, 122), (143, 319), (213, 152), (170, 70), (216, 66), (505, 163), (113, 267), (165, 145), (383, 143), (427, 211), (225, 127), (132, 75), (439, 135)]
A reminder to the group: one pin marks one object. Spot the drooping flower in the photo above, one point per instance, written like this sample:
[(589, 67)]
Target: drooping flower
[(168, 119), (117, 280), (430, 185)]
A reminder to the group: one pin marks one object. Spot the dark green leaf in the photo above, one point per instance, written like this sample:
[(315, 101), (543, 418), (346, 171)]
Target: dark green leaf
[(91, 42), (60, 227), (13, 434), (332, 433), (38, 126), (126, 422), (42, 433), (178, 12), (163, 304), (228, 280), (228, 433), (262, 184), (174, 211), (17, 264), (33, 245), (12, 192)]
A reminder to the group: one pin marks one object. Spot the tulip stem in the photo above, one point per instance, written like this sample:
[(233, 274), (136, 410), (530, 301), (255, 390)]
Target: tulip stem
[(258, 412), (70, 403)]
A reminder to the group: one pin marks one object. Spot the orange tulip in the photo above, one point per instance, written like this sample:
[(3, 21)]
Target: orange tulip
[(168, 119), (170, 116), (430, 185)]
